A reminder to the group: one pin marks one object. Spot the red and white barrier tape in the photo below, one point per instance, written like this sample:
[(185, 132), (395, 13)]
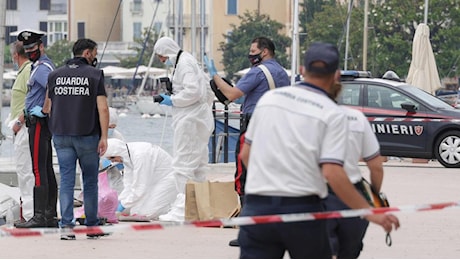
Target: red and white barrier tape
[(239, 221)]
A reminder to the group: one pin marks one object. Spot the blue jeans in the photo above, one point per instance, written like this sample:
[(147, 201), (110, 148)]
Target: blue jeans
[(69, 149)]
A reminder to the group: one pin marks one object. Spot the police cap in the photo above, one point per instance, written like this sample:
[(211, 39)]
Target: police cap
[(30, 37)]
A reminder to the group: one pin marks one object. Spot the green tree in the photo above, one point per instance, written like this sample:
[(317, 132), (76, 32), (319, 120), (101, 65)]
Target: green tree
[(60, 52), (235, 49), (394, 24), (151, 37)]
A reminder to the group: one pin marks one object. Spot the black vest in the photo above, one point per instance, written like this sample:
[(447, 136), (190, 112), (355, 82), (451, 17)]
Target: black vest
[(73, 90)]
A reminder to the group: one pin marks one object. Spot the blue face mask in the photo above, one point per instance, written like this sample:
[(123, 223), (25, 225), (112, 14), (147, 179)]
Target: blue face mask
[(120, 166), (110, 132), (168, 63)]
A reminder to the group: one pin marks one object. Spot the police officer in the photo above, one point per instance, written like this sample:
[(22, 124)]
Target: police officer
[(297, 139), (77, 90), (253, 85), (45, 189)]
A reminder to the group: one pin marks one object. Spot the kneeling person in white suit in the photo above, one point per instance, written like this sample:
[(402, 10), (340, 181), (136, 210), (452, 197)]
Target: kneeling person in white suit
[(149, 186)]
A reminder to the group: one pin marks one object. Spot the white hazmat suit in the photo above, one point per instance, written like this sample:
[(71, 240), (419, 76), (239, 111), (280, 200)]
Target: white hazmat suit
[(148, 180), (192, 119)]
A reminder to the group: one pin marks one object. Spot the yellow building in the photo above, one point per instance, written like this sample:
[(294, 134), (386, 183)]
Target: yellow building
[(93, 19)]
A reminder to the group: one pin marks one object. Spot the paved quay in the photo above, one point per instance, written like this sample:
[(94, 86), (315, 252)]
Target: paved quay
[(429, 234)]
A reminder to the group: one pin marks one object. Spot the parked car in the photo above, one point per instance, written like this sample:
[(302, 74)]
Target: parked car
[(407, 121)]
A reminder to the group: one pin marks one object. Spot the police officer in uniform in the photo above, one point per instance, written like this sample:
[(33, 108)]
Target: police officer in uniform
[(79, 121), (297, 139), (45, 189)]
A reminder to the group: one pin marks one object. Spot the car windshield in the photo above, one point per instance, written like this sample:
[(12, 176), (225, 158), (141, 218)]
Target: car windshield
[(430, 99)]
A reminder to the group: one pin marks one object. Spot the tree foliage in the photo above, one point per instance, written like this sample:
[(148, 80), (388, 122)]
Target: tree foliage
[(236, 48), (60, 52), (146, 53), (391, 29)]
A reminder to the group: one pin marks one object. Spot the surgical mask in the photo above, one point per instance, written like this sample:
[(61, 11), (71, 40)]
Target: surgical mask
[(110, 132), (15, 65), (120, 166), (34, 55), (168, 63), (255, 59)]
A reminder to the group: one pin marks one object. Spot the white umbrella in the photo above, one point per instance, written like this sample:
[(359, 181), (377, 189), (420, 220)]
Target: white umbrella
[(423, 72)]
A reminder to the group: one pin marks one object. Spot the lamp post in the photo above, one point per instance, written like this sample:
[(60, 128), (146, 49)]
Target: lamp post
[(425, 20)]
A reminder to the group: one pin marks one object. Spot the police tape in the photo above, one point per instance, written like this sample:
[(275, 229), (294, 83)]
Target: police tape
[(230, 222)]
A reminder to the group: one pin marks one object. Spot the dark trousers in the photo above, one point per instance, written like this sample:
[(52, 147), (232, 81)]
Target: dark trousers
[(240, 173), (45, 190), (345, 234), (305, 239)]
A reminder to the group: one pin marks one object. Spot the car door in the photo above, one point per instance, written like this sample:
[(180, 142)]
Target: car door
[(400, 132)]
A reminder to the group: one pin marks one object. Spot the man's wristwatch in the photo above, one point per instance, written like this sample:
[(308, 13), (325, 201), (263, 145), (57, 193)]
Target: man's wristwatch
[(18, 123)]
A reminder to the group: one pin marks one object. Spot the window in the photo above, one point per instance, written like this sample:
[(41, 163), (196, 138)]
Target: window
[(81, 30), (232, 8), (43, 26), (8, 29), (12, 5), (349, 95), (137, 30), (45, 4), (136, 6), (388, 98)]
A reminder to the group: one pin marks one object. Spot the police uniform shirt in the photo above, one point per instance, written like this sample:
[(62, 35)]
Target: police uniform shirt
[(73, 90), (292, 132), (254, 84), (362, 143), (37, 82)]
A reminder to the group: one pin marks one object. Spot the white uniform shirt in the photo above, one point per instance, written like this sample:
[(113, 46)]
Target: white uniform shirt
[(292, 132), (362, 143)]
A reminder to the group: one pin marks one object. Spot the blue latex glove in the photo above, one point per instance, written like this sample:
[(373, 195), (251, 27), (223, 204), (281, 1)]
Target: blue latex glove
[(210, 65), (37, 111), (120, 207), (166, 100)]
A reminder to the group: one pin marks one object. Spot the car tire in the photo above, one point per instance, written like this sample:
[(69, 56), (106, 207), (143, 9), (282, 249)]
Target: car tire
[(447, 149)]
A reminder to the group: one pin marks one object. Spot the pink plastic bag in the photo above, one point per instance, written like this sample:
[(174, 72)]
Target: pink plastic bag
[(108, 201)]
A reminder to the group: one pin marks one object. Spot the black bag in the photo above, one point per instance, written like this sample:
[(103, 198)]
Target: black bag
[(220, 96)]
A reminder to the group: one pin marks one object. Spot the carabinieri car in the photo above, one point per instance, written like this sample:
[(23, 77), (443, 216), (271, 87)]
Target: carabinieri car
[(407, 121)]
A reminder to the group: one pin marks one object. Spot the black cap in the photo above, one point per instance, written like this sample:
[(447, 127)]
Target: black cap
[(325, 52), (30, 37)]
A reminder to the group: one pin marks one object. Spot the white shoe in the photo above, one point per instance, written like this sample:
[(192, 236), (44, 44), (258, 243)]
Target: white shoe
[(177, 211)]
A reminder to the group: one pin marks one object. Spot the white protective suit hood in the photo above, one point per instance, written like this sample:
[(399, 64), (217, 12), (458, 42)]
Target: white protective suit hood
[(167, 47), (116, 147)]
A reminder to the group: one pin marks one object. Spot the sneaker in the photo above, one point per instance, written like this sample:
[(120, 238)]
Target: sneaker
[(68, 237), (97, 236), (177, 211), (234, 242)]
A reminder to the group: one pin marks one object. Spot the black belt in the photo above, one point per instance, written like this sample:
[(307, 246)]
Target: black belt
[(282, 199)]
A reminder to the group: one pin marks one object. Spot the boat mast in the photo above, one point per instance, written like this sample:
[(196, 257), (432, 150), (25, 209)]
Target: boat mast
[(2, 50)]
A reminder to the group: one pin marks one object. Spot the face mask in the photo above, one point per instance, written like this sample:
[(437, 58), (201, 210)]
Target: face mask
[(15, 65), (168, 63), (34, 55), (120, 166), (255, 59), (110, 132), (94, 62)]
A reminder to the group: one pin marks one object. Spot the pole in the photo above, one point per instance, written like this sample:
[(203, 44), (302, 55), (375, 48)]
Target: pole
[(345, 66), (425, 20), (202, 31), (2, 50), (366, 9), (295, 38), (193, 27)]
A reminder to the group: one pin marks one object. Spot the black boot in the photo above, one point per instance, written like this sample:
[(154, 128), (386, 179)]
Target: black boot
[(50, 212), (40, 201)]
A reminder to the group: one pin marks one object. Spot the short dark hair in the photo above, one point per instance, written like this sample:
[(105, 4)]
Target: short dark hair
[(82, 44), (264, 43)]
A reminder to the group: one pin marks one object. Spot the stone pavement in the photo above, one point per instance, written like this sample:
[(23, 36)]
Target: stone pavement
[(430, 234)]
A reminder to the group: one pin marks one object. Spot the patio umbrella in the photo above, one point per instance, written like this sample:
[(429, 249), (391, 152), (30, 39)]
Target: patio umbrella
[(423, 72)]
